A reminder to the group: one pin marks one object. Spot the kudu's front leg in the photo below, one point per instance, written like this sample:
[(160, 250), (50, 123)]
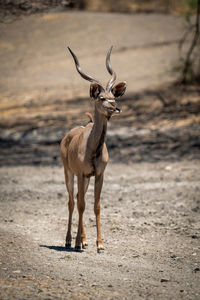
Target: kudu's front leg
[(69, 179), (97, 208), (82, 188)]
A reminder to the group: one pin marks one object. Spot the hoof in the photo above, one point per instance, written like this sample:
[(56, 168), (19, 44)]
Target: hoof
[(78, 248), (100, 251), (68, 245), (85, 246)]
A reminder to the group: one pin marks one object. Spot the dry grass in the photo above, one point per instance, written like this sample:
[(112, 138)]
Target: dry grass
[(135, 6)]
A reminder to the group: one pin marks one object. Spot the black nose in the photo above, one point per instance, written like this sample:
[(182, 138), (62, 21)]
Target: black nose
[(118, 109)]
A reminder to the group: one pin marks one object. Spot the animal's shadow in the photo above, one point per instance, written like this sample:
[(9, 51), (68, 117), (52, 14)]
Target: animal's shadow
[(62, 249)]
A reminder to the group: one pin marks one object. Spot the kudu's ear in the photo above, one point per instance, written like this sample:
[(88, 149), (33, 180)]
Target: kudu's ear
[(119, 89), (95, 90)]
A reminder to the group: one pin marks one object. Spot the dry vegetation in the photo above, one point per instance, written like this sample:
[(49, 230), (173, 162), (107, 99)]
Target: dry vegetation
[(148, 6), (19, 7)]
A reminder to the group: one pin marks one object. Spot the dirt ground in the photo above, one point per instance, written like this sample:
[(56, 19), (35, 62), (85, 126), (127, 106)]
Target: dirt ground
[(150, 223), (151, 195)]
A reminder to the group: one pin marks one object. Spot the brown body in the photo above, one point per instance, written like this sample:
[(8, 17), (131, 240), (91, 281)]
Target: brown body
[(84, 154)]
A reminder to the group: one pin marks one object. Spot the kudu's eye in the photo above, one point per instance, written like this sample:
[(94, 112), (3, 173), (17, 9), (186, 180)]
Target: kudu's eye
[(102, 99)]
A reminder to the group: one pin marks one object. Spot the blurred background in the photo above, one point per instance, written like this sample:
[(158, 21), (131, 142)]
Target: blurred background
[(18, 7), (156, 50)]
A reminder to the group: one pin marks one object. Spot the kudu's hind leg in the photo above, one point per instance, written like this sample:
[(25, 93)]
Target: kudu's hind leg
[(69, 179)]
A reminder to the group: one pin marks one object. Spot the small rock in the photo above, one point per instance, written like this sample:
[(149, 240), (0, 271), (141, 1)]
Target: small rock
[(94, 284), (175, 257), (196, 270), (68, 256), (168, 168), (164, 280), (194, 236), (59, 195), (195, 209), (17, 271)]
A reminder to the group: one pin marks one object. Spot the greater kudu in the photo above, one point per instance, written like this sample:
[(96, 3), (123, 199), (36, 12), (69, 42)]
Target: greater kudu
[(84, 151)]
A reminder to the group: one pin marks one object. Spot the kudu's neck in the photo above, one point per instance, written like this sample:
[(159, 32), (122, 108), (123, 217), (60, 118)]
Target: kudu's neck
[(98, 133)]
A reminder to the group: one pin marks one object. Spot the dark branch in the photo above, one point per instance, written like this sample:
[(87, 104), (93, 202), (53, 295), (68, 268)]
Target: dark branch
[(193, 45)]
